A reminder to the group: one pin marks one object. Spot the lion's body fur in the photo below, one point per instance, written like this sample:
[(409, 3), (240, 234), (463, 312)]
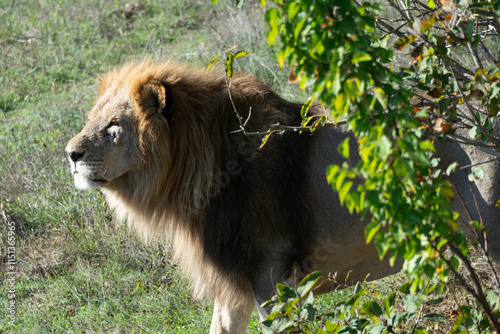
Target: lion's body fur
[(163, 144)]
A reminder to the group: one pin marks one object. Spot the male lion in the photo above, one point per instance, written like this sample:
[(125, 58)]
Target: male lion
[(162, 144)]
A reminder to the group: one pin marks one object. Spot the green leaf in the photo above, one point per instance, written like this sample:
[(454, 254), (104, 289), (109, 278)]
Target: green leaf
[(292, 9), (272, 18), (266, 329), (494, 91), (474, 132), (477, 173), (215, 1), (427, 24), (494, 107), (389, 302), (331, 173), (371, 307), (308, 283), (229, 65), (435, 317), (371, 230), (404, 41), (384, 147), (344, 191), (239, 3), (320, 48), (419, 330), (455, 262), (240, 54), (426, 145), (308, 312), (280, 324), (343, 148), (337, 86), (353, 301), (266, 138), (469, 30), (431, 4), (270, 302), (212, 62), (298, 29), (411, 303), (340, 105), (451, 168), (281, 57), (492, 299), (380, 96), (285, 292), (348, 24), (305, 107), (379, 329), (359, 57)]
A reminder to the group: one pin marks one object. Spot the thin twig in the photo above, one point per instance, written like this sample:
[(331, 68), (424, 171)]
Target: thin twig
[(424, 6), (393, 31), (479, 163), (475, 56), (425, 99), (477, 144), (486, 53), (240, 119), (466, 100), (401, 11), (272, 127)]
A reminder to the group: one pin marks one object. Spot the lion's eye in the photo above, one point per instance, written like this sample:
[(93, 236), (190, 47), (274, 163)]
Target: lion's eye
[(111, 130), (111, 124)]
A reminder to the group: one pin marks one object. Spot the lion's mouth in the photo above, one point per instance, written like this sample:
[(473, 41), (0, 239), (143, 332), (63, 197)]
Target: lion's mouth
[(97, 180), (90, 179)]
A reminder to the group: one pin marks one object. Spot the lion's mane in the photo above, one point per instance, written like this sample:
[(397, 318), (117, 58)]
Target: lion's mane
[(205, 184)]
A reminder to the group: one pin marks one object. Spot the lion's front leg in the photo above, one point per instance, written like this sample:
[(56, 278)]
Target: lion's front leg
[(231, 319)]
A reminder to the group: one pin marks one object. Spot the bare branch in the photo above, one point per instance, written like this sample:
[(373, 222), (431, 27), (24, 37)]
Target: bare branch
[(475, 56), (486, 53), (477, 121), (272, 127), (402, 12), (479, 163), (492, 150)]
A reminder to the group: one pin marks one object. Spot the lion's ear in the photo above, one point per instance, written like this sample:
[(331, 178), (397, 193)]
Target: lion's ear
[(153, 97)]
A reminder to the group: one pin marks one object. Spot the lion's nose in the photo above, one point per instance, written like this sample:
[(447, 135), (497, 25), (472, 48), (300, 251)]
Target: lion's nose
[(75, 156)]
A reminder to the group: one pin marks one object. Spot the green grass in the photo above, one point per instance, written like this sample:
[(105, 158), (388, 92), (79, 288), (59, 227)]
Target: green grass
[(77, 270)]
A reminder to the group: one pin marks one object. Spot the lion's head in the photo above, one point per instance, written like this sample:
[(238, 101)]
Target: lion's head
[(106, 149), (116, 144)]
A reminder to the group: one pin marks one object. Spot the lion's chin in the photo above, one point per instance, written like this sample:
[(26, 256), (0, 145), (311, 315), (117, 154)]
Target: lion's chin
[(84, 183)]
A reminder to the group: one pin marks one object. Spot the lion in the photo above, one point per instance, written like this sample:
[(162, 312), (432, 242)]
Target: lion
[(164, 145)]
